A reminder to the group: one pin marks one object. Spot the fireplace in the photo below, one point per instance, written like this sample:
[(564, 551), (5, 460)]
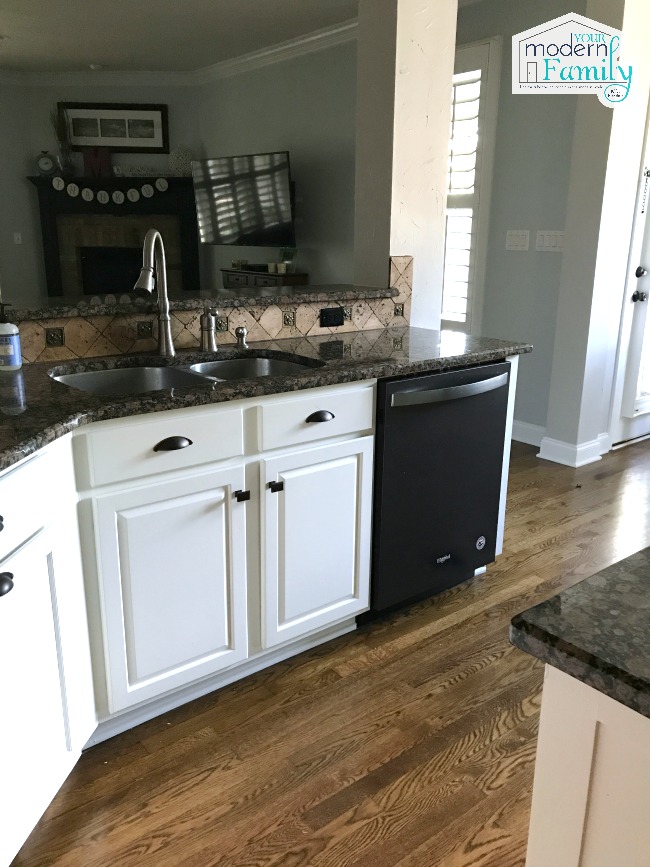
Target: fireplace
[(88, 245)]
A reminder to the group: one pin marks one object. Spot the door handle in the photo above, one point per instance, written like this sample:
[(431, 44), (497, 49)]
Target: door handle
[(170, 444), (454, 392)]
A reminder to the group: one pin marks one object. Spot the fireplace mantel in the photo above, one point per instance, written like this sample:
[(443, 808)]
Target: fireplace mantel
[(177, 201)]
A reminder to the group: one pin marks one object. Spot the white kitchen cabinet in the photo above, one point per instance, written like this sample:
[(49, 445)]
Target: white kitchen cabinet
[(34, 759), (192, 587), (316, 513), (173, 582), (46, 687)]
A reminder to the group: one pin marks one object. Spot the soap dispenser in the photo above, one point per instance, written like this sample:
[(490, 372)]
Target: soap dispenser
[(10, 355), (209, 329)]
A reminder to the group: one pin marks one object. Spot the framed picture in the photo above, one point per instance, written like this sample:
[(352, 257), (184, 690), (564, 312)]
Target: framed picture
[(123, 127)]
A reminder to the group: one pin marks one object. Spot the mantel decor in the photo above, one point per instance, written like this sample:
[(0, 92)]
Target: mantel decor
[(123, 127)]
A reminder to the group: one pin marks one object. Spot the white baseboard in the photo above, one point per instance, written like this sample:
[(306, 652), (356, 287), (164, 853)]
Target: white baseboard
[(574, 455), (532, 434)]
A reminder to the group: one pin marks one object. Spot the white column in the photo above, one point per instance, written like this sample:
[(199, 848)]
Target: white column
[(426, 46), (405, 66)]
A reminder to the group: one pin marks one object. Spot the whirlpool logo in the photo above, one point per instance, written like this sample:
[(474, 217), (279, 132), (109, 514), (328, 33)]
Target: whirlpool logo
[(571, 54)]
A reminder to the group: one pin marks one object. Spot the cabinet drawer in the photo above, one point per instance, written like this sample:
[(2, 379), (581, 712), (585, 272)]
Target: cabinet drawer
[(126, 450), (232, 280), (23, 498), (267, 281), (284, 422)]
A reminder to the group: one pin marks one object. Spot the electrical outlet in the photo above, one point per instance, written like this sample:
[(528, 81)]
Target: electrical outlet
[(144, 330), (289, 318), (331, 317), (399, 310), (54, 337), (221, 323)]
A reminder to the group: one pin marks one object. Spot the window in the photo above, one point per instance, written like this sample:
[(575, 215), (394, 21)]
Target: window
[(469, 177)]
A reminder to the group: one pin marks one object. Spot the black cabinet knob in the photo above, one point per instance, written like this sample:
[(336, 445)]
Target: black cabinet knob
[(276, 487), (640, 271), (320, 415), (6, 583), (242, 496), (171, 444)]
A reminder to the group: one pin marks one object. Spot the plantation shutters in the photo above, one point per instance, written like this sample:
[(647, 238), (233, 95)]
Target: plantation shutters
[(469, 177)]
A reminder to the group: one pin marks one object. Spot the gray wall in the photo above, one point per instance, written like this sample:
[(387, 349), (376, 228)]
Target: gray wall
[(305, 105), (529, 191), (308, 107)]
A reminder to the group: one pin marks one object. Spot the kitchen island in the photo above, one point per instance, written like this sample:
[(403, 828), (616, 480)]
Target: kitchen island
[(139, 573), (592, 773)]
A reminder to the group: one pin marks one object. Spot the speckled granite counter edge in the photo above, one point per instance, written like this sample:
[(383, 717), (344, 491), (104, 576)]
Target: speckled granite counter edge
[(301, 295), (201, 395), (585, 667)]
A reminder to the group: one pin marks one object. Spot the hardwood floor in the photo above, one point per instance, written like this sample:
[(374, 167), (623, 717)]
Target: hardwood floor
[(410, 743)]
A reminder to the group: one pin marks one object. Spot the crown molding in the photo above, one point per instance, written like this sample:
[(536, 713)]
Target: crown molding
[(317, 40)]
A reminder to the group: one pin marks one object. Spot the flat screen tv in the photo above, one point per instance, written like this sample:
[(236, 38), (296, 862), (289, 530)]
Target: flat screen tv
[(244, 200)]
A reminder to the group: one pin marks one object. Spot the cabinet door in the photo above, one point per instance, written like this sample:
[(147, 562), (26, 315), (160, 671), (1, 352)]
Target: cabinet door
[(316, 538), (173, 583), (34, 759)]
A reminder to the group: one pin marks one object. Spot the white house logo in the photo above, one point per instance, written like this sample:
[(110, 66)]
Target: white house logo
[(571, 54)]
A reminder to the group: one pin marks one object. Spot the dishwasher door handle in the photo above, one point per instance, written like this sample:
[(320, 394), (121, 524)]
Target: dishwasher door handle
[(453, 392)]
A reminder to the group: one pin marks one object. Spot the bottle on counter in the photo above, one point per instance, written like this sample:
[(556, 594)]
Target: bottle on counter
[(12, 393), (10, 355)]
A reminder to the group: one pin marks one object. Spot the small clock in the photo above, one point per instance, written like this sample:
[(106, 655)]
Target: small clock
[(132, 195), (87, 194), (45, 164), (72, 190), (162, 185), (102, 197), (147, 191), (118, 197)]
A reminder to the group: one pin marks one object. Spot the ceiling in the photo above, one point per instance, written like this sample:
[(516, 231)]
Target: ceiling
[(153, 35)]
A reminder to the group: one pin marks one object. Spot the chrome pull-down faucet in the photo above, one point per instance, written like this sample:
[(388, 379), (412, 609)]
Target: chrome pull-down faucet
[(153, 259)]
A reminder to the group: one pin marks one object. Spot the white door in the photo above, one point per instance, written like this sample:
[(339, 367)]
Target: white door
[(316, 513), (34, 759), (631, 401), (172, 582)]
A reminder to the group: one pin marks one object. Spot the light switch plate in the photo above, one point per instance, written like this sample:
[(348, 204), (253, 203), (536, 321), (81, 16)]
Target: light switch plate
[(549, 241), (517, 239)]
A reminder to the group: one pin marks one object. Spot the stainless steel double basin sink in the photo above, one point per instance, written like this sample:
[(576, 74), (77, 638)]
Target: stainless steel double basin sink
[(138, 378)]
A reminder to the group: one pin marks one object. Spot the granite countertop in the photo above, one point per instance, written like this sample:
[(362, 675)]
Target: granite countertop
[(597, 631), (52, 409), (131, 302)]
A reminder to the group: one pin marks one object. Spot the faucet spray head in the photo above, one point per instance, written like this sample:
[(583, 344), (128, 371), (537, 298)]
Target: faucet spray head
[(145, 280)]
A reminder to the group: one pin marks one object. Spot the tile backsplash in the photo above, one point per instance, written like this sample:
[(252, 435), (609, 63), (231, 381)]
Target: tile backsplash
[(91, 336)]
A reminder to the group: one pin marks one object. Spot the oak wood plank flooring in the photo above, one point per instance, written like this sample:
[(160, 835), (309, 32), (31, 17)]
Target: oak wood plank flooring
[(409, 743)]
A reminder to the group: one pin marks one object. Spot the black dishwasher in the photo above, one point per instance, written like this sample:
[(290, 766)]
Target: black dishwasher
[(438, 459)]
